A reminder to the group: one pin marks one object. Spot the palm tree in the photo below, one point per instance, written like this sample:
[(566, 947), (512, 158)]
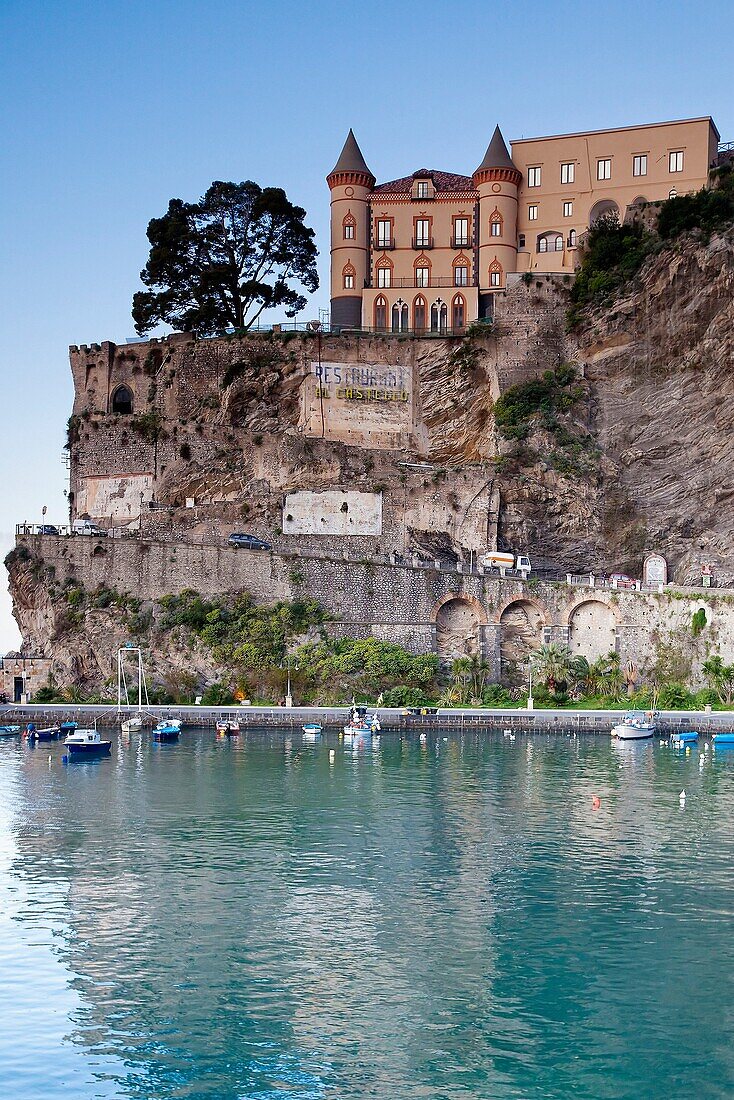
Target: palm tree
[(553, 664), (720, 677)]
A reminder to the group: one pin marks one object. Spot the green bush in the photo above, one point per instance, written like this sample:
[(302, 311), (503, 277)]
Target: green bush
[(403, 696), (698, 621), (218, 695), (676, 697), (611, 255), (707, 209), (554, 392)]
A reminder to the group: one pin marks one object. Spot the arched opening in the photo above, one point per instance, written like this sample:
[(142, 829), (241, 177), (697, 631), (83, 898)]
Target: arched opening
[(348, 274), (458, 313), (521, 633), (457, 629), (439, 316), (380, 313), (400, 316), (592, 630), (419, 314), (495, 273), (122, 400), (603, 209), (550, 242)]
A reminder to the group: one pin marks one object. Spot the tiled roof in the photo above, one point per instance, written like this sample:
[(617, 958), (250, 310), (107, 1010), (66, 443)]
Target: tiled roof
[(442, 181)]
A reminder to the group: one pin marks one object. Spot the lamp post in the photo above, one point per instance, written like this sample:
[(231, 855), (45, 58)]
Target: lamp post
[(530, 689), (288, 696)]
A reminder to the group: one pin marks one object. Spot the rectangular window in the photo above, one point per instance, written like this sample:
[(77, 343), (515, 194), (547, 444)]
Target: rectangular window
[(568, 172), (533, 177), (461, 232), (349, 282), (384, 233), (494, 278), (568, 209), (604, 169), (348, 232), (421, 232), (384, 276), (532, 213), (421, 190), (639, 165), (495, 229), (461, 275), (421, 276), (675, 161), (521, 240)]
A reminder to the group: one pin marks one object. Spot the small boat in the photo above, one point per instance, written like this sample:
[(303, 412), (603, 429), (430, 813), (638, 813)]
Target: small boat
[(86, 743), (312, 731), (684, 737), (721, 739), (68, 727), (168, 729), (9, 731), (228, 729), (635, 726), (49, 733), (131, 725)]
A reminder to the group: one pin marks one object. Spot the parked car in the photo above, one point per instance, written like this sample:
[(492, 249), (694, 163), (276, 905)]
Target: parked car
[(87, 527), (248, 542), (622, 580), (48, 529)]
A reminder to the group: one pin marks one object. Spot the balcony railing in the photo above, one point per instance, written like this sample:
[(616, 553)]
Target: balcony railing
[(387, 244), (436, 281), (460, 242), (422, 242)]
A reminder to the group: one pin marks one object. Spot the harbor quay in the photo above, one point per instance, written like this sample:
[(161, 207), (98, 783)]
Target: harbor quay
[(392, 720)]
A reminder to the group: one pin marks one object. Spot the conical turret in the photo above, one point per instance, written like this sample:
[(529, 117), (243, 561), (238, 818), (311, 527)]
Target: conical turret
[(497, 161), (350, 163), (497, 181)]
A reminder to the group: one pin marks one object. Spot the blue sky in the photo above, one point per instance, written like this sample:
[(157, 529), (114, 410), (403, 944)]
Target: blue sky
[(110, 109)]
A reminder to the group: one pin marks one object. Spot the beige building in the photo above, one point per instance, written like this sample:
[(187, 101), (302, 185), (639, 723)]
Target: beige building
[(427, 252)]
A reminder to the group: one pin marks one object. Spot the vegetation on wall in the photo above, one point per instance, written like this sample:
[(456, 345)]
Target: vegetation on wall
[(554, 392), (706, 210)]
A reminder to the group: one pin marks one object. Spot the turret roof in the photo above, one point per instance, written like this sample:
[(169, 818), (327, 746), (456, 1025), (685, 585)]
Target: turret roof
[(350, 158), (497, 155)]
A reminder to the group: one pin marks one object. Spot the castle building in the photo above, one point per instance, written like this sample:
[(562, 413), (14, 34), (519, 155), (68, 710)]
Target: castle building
[(429, 251)]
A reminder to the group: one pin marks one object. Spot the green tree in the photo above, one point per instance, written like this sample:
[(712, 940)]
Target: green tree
[(553, 663), (218, 263), (720, 677)]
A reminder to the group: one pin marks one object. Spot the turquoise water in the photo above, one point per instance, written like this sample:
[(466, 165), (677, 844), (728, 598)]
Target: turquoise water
[(244, 919)]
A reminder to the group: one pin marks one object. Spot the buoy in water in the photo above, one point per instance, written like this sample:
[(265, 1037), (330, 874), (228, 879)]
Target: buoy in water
[(332, 756), (682, 798), (596, 802), (424, 738)]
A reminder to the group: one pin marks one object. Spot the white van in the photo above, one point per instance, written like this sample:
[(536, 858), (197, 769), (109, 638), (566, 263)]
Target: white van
[(87, 527)]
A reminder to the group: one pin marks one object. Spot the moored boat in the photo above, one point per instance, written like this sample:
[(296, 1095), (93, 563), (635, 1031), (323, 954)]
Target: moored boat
[(131, 725), (48, 733), (635, 726), (228, 729), (684, 737), (86, 743), (9, 731), (721, 739), (311, 730), (168, 729), (68, 727)]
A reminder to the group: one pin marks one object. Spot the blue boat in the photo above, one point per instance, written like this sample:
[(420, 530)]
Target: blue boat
[(49, 733), (723, 739), (9, 731), (86, 744), (68, 727), (167, 730), (684, 737)]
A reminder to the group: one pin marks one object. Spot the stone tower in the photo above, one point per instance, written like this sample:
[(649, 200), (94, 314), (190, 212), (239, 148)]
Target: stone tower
[(350, 182), (497, 181)]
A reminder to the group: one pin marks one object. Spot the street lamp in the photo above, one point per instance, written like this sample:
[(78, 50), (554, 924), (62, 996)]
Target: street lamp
[(288, 696), (530, 689)]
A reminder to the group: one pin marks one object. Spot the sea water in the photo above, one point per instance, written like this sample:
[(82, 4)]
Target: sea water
[(245, 919)]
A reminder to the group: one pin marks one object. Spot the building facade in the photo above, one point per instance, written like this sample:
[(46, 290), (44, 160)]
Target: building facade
[(428, 252)]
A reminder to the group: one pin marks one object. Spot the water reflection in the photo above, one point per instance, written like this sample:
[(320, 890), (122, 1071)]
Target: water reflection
[(238, 918)]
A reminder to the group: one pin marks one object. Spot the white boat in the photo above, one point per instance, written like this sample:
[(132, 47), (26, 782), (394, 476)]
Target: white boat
[(132, 725), (312, 731), (9, 731), (228, 728), (635, 726), (87, 743)]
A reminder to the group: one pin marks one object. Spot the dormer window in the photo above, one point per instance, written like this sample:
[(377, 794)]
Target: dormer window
[(421, 189)]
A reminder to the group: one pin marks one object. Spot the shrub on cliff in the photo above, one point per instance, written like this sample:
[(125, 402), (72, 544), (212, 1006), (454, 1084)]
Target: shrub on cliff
[(610, 255), (707, 209), (553, 392)]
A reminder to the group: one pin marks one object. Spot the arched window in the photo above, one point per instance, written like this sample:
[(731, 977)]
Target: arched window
[(572, 239), (419, 313), (458, 313), (460, 265), (348, 273), (672, 194), (349, 226), (559, 243), (439, 316), (495, 273), (384, 269), (400, 316), (422, 268), (380, 313), (542, 244), (122, 400), (495, 223)]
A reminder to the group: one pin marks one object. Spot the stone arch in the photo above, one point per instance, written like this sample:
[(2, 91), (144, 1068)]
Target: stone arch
[(601, 209), (121, 400), (458, 619), (521, 631), (592, 629)]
